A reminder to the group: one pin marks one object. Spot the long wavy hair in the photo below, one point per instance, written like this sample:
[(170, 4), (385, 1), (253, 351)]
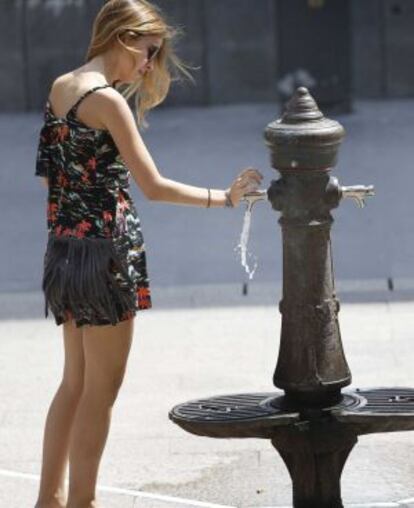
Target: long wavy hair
[(119, 19)]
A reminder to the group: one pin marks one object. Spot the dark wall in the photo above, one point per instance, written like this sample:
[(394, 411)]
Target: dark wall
[(12, 70), (368, 48), (383, 48), (233, 45), (40, 39), (399, 47), (316, 42), (57, 39), (242, 48), (189, 15)]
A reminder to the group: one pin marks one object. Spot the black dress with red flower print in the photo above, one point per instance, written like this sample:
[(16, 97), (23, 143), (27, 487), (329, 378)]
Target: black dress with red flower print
[(95, 265)]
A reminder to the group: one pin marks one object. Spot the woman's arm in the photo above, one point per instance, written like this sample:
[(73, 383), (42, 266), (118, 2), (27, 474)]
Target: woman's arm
[(117, 117)]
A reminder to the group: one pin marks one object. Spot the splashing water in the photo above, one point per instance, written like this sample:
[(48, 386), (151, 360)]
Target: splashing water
[(244, 239)]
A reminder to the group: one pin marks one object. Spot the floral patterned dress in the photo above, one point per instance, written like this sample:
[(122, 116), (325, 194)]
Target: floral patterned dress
[(94, 265)]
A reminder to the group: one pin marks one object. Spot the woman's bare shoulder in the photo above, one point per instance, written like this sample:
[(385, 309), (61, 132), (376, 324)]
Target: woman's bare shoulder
[(62, 81), (67, 89), (75, 83)]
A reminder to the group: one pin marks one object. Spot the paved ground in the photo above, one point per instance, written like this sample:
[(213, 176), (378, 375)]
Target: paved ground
[(202, 349)]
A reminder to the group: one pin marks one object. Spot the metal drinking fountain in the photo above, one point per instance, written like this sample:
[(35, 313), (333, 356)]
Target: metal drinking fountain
[(313, 423)]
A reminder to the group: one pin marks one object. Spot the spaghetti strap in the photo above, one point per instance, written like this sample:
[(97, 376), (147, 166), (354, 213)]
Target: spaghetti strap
[(73, 110)]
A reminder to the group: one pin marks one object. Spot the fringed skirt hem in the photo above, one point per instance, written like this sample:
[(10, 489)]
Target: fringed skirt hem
[(81, 282)]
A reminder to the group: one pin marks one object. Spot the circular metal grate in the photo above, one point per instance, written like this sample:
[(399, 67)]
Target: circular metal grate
[(229, 407), (387, 400)]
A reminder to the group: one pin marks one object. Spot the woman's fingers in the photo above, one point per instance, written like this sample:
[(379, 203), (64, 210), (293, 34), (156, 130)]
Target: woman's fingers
[(249, 177), (251, 171), (247, 181), (249, 188), (246, 170), (253, 179)]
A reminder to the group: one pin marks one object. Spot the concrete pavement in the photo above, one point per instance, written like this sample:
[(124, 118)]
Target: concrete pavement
[(202, 349)]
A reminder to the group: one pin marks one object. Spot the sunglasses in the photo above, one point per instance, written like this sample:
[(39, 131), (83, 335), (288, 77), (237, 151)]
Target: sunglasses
[(152, 52)]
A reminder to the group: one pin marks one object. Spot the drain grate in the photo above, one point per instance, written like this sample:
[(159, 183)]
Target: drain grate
[(385, 400), (228, 407)]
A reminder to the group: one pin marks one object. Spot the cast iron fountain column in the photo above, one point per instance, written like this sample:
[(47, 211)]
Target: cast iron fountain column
[(313, 424), (311, 367)]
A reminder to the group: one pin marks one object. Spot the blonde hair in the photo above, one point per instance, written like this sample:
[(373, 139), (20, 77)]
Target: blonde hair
[(138, 18)]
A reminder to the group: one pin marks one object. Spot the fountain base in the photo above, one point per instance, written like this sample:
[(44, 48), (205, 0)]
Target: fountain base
[(260, 415), (314, 442)]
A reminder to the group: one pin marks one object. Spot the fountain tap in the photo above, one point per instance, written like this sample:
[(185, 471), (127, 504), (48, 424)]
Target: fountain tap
[(336, 192), (253, 197), (358, 193)]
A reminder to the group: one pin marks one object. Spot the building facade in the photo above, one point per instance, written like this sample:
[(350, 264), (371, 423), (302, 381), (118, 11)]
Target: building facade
[(242, 50)]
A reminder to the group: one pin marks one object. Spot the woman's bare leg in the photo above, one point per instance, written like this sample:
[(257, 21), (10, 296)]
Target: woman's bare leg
[(59, 421), (106, 350)]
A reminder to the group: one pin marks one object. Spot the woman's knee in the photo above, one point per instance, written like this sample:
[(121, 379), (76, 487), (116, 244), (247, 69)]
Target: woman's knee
[(103, 387), (72, 386)]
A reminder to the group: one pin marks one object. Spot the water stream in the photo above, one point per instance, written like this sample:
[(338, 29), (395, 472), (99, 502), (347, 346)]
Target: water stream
[(241, 249)]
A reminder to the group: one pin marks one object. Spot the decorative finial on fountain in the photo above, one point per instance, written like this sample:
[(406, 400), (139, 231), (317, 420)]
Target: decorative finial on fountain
[(303, 139), (301, 108)]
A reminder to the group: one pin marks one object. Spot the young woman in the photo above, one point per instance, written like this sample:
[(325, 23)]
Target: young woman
[(95, 278)]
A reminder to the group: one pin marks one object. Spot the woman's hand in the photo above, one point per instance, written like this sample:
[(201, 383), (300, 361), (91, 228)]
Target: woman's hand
[(247, 181)]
